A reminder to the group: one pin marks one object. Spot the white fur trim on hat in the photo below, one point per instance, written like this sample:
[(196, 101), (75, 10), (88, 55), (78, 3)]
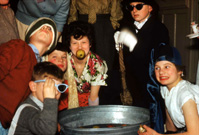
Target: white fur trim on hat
[(51, 30)]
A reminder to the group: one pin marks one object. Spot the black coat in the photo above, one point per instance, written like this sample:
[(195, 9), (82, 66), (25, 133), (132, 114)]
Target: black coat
[(149, 36)]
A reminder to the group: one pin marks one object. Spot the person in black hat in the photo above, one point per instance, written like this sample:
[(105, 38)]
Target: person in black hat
[(17, 61), (180, 96), (141, 18)]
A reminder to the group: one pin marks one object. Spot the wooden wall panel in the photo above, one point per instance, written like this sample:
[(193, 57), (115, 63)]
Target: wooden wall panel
[(173, 4), (169, 22), (177, 15), (182, 42)]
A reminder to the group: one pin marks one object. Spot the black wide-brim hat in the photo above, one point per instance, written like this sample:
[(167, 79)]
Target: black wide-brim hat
[(148, 2), (36, 25)]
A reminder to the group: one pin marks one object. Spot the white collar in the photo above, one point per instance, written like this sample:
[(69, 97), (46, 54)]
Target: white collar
[(37, 101), (139, 25)]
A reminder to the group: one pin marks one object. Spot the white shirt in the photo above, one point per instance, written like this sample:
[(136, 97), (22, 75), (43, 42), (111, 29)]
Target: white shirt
[(139, 25), (177, 97)]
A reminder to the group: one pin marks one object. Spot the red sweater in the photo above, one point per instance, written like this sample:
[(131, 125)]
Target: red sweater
[(17, 60)]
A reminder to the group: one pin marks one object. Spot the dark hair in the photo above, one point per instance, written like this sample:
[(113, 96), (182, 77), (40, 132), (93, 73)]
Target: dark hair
[(59, 47), (78, 29), (44, 69), (166, 52), (180, 68)]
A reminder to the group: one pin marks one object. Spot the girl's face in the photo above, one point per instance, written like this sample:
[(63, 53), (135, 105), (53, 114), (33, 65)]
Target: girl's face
[(76, 44), (167, 74), (59, 58)]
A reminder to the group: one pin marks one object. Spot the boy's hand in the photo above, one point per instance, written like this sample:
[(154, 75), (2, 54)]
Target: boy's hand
[(49, 88)]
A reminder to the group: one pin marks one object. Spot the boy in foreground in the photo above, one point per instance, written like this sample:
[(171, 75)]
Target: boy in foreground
[(38, 113)]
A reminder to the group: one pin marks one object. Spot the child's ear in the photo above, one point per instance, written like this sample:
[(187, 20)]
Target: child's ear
[(150, 8), (180, 73), (32, 86)]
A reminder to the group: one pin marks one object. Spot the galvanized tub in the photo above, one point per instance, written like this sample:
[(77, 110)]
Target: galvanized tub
[(71, 120)]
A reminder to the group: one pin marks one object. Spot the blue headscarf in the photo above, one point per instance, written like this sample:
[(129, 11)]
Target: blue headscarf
[(168, 53), (162, 52)]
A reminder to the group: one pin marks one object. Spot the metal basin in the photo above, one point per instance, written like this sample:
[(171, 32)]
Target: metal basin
[(71, 120)]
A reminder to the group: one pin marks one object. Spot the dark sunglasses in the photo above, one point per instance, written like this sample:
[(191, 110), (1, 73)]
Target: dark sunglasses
[(138, 7), (60, 87)]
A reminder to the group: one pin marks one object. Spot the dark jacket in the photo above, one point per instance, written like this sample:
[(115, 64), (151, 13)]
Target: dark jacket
[(137, 62)]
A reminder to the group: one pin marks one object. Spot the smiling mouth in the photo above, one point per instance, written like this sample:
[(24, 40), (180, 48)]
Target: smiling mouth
[(164, 78)]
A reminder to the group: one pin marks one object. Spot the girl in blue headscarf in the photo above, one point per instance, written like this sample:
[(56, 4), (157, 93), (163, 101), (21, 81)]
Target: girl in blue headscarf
[(180, 96)]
